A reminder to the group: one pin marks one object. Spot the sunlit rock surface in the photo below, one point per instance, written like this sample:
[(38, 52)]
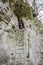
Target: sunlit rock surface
[(20, 46)]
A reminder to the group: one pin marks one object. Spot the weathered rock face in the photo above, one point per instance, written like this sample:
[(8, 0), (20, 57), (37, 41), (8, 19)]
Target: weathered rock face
[(20, 45), (33, 43)]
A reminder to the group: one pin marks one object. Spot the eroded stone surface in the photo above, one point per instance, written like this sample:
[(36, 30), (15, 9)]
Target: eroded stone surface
[(31, 38)]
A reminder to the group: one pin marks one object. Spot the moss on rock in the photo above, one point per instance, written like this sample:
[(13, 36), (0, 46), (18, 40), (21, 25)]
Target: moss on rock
[(38, 25)]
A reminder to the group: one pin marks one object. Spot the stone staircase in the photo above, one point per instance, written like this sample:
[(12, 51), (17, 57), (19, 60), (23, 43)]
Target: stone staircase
[(20, 52), (20, 48)]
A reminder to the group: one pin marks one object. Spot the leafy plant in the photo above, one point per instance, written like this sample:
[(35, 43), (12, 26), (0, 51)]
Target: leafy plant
[(21, 9)]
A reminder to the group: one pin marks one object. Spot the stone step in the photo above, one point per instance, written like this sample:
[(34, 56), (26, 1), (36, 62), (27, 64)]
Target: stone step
[(19, 47), (20, 60), (19, 51), (20, 55), (22, 63), (20, 37), (20, 44)]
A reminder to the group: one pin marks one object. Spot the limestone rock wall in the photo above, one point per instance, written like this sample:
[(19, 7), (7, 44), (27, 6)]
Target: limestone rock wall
[(32, 36), (34, 41)]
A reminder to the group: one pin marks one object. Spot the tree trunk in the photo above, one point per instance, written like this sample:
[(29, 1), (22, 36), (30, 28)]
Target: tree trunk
[(20, 23)]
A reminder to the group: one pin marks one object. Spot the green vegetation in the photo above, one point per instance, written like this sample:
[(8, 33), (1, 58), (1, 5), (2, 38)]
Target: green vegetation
[(38, 25), (0, 18), (21, 9)]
